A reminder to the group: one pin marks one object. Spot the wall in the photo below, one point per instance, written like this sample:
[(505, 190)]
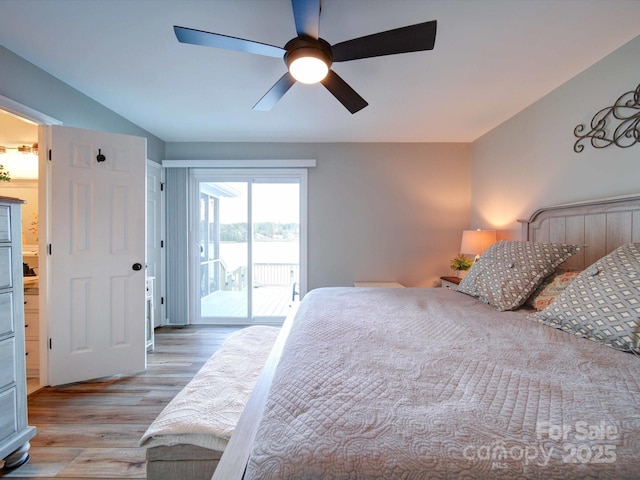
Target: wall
[(390, 212), (31, 86), (528, 161)]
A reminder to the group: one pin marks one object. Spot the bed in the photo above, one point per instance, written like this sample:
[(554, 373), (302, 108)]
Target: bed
[(433, 383)]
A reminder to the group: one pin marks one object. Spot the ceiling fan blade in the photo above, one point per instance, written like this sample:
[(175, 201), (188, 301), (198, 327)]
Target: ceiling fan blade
[(343, 92), (216, 40), (275, 93), (306, 14), (413, 38)]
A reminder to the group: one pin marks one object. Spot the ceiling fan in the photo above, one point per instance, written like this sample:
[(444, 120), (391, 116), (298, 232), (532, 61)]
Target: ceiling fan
[(308, 57)]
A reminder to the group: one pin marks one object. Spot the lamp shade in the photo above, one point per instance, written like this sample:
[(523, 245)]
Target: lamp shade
[(475, 242)]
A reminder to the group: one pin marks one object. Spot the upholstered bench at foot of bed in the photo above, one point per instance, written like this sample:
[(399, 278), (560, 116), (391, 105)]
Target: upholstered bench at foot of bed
[(187, 439), (181, 462)]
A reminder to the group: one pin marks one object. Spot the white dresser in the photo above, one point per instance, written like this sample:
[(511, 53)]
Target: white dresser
[(14, 431)]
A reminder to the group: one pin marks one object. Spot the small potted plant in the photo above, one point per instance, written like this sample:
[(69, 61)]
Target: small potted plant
[(461, 264), (4, 175)]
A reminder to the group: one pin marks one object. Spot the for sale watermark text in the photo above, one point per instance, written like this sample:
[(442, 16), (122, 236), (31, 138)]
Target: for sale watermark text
[(580, 442), (584, 442), (579, 431)]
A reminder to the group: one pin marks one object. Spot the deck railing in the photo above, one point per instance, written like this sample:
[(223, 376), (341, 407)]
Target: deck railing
[(275, 274), (216, 276)]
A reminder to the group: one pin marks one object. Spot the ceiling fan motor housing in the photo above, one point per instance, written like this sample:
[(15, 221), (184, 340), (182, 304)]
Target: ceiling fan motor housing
[(305, 46)]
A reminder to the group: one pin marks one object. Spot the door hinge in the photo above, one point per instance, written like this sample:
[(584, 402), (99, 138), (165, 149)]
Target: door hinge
[(50, 155), (161, 243), (50, 345), (161, 186), (49, 249), (161, 300)]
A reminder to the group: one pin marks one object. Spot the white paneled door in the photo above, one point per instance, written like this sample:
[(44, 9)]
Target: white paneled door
[(96, 279)]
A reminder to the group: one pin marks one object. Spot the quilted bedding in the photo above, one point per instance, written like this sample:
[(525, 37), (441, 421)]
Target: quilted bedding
[(205, 412), (431, 383)]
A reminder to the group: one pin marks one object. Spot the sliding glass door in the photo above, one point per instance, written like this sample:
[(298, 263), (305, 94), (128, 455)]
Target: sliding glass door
[(224, 250), (275, 252), (251, 245)]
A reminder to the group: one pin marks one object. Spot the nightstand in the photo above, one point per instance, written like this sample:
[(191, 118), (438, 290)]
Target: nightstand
[(450, 282)]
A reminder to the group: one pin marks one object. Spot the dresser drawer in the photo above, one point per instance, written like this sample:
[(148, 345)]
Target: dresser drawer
[(31, 303), (449, 285), (5, 223), (8, 413), (5, 267), (33, 354), (31, 326), (8, 362), (6, 313)]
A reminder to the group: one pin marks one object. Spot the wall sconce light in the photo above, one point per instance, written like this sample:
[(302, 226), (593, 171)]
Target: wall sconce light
[(475, 242), (21, 161), (24, 149)]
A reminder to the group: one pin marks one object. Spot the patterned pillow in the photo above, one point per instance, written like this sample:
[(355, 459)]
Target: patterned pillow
[(603, 302), (548, 290), (509, 271)]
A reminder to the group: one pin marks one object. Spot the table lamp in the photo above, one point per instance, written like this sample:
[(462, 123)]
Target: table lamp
[(475, 242)]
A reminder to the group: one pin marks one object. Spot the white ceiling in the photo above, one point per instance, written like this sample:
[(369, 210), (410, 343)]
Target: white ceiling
[(492, 59)]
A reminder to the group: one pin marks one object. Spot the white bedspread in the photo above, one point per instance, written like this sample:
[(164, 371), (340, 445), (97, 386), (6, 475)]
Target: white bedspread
[(206, 411), (431, 383)]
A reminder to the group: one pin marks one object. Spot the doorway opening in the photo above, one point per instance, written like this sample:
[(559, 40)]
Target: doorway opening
[(19, 160), (251, 262)]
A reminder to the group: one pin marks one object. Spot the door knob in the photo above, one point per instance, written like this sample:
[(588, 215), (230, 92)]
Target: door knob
[(136, 266)]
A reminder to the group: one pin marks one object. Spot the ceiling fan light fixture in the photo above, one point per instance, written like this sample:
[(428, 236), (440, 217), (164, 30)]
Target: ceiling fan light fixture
[(308, 59), (308, 69)]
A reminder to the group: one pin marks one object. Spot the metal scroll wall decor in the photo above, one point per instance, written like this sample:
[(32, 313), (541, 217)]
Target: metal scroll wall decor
[(616, 125)]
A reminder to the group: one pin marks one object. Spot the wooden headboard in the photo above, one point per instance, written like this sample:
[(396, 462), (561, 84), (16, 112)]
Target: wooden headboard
[(599, 226)]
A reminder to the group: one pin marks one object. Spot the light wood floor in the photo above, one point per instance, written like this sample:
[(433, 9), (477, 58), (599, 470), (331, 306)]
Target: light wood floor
[(91, 430)]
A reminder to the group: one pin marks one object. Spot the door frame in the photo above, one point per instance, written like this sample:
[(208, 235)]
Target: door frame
[(44, 122), (240, 174), (160, 281)]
